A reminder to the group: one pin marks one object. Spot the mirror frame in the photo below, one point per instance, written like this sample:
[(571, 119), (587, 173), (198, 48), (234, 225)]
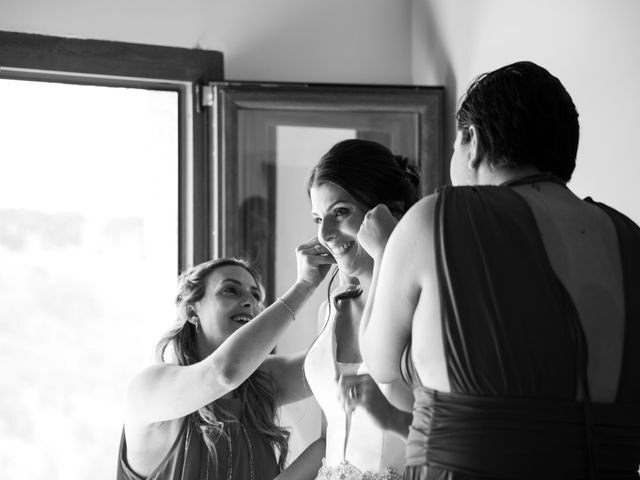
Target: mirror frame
[(392, 108)]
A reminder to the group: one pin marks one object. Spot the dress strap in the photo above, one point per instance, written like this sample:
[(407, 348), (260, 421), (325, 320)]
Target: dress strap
[(536, 177)]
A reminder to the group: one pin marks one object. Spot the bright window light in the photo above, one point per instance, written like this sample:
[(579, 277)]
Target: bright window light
[(88, 265)]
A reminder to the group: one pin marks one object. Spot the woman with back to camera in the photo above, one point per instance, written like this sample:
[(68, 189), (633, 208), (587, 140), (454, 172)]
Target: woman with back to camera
[(510, 303), (363, 423), (211, 413)]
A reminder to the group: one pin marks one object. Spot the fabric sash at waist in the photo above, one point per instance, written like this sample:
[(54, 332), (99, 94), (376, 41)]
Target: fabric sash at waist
[(513, 437)]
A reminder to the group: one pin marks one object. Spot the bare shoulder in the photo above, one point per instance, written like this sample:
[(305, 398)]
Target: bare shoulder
[(413, 236), (421, 214)]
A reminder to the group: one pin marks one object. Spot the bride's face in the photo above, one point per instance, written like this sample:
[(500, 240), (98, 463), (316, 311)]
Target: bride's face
[(339, 216)]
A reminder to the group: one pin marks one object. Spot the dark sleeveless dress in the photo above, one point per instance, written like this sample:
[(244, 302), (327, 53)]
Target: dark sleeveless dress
[(516, 355), (250, 458)]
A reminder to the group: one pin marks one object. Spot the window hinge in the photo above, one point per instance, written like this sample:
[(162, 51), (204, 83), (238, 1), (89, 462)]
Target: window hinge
[(206, 96)]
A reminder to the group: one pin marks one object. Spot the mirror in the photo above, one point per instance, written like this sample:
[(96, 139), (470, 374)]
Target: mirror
[(267, 138)]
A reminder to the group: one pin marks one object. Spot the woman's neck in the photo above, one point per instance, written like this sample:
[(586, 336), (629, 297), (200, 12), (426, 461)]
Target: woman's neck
[(203, 346), (487, 175), (363, 279)]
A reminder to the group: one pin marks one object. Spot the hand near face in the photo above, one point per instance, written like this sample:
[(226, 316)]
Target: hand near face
[(314, 262), (375, 230), (362, 391)]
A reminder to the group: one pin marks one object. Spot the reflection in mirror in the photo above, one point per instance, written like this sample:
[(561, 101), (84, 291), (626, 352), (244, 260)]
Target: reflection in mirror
[(268, 139)]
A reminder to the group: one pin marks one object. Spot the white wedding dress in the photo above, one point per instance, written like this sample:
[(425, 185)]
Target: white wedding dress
[(375, 452)]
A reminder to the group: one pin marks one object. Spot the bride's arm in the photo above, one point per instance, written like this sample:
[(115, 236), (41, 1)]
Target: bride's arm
[(306, 466)]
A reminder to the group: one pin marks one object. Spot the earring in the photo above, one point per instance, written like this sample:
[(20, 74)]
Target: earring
[(196, 323)]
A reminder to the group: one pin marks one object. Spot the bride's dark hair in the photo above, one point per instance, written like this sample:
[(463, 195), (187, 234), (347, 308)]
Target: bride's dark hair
[(372, 174)]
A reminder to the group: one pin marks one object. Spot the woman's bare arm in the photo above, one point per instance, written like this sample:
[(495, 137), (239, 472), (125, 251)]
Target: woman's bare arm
[(165, 391), (306, 466), (386, 323)]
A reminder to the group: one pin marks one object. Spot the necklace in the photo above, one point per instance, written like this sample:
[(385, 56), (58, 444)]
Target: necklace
[(246, 436), (226, 433)]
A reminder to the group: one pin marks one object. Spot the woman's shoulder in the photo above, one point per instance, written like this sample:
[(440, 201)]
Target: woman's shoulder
[(472, 198), (617, 216), (419, 216), (429, 203)]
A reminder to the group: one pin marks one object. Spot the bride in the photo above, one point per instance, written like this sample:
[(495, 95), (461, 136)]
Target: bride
[(364, 424)]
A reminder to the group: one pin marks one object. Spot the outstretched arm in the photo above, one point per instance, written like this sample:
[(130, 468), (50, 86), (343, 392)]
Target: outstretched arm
[(165, 391)]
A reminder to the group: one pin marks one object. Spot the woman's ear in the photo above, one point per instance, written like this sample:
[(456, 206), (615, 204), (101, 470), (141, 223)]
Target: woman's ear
[(474, 159), (192, 314)]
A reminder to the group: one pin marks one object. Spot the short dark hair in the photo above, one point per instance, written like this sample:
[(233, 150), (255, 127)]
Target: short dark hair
[(370, 173), (523, 116)]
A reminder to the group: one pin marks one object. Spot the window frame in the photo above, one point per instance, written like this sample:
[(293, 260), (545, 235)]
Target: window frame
[(25, 56)]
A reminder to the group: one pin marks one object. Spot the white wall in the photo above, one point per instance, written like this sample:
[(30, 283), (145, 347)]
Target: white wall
[(334, 41), (592, 46)]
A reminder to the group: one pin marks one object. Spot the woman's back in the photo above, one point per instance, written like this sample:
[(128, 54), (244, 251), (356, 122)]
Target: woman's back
[(582, 246), (520, 324), (536, 311)]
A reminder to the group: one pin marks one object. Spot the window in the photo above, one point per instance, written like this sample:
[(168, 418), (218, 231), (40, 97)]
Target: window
[(103, 198)]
